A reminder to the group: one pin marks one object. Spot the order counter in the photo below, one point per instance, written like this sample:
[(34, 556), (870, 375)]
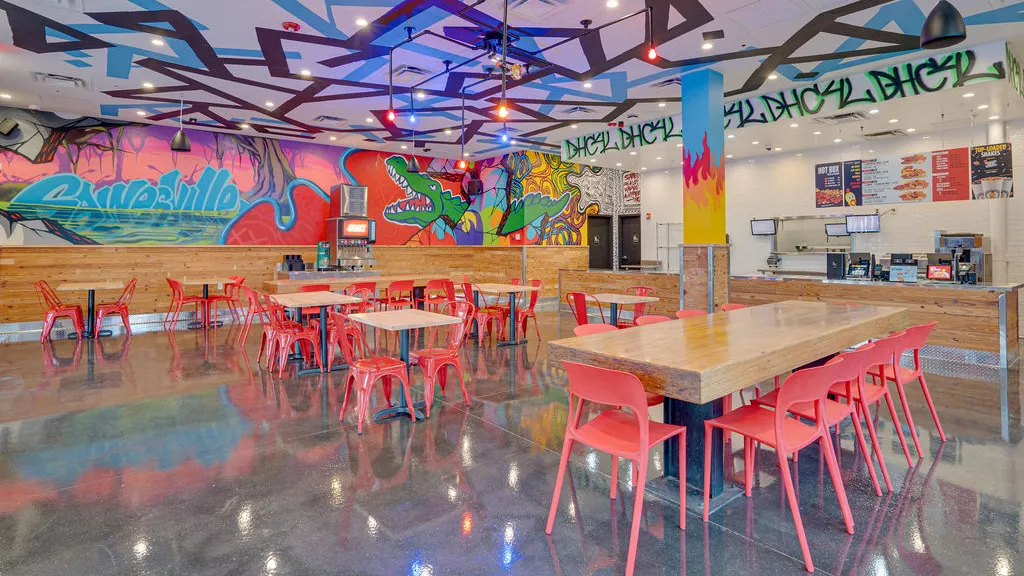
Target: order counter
[(979, 317)]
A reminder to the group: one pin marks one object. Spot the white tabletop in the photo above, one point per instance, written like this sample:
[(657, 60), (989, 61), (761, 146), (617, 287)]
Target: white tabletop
[(405, 319), (505, 288), (304, 299), (624, 299)]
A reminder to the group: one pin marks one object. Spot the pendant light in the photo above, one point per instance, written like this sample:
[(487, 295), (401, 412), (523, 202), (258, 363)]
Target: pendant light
[(180, 141), (503, 106), (462, 159), (943, 28), (414, 164)]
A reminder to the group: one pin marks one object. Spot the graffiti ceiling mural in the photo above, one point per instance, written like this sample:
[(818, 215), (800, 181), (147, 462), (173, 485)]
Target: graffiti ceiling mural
[(75, 180), (307, 69)]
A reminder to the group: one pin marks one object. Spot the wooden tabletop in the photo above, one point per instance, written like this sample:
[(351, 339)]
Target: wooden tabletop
[(205, 281), (406, 319), (624, 299), (305, 299), (289, 286), (505, 288), (95, 285), (705, 358)]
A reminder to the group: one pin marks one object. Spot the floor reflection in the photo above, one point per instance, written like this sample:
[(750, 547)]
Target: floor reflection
[(178, 453)]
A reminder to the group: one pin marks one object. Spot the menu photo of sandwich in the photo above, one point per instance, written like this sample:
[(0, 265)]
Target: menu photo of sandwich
[(910, 172), (914, 159), (914, 190)]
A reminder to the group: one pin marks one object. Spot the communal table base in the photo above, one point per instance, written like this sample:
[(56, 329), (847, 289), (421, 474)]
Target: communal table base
[(693, 416), (513, 328), (614, 314)]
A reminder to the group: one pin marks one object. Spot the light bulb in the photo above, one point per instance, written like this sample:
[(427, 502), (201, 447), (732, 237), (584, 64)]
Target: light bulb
[(502, 111), (652, 54), (391, 115)]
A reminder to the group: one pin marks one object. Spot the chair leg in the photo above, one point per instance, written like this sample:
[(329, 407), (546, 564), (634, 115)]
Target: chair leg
[(682, 476), (127, 323), (429, 378), (862, 409), (48, 322), (859, 433), (899, 429), (910, 419), (348, 390), (931, 406), (462, 383), (615, 477), (794, 507), (404, 379), (837, 480), (748, 465), (638, 508), (562, 465), (707, 468)]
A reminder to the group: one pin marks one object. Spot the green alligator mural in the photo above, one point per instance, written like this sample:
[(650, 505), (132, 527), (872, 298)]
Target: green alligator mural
[(526, 210), (426, 200)]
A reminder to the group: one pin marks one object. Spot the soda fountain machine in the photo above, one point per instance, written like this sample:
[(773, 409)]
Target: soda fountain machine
[(350, 232)]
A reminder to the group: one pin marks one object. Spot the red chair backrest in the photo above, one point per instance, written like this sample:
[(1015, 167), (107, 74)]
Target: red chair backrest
[(917, 336), (514, 281), (578, 306), (41, 296), (449, 290), (731, 306), (651, 319), (689, 313), (810, 385), (586, 329), (356, 287), (353, 341), (638, 309), (534, 295), (434, 286), (400, 289), (864, 358), (50, 295), (177, 292), (315, 288), (609, 387), (457, 333), (129, 292)]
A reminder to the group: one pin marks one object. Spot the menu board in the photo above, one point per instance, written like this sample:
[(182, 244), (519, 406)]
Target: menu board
[(828, 185), (951, 175), (991, 172), (981, 172)]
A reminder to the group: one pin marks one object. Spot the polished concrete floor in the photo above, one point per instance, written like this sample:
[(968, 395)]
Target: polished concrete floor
[(177, 454)]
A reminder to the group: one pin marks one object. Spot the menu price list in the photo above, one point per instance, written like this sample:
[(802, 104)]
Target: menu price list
[(828, 185), (951, 175)]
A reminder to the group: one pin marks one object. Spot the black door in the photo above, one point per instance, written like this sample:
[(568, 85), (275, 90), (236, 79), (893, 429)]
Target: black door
[(629, 241), (599, 231)]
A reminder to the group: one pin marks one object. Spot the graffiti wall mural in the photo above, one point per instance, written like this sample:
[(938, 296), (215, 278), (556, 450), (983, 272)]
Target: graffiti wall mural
[(91, 181)]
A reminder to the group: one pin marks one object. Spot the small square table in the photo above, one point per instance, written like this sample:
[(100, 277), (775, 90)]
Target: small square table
[(402, 321), (613, 301), (205, 283), (513, 290), (91, 287), (300, 300)]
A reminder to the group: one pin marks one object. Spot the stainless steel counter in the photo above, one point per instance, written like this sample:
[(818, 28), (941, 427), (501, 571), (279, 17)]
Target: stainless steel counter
[(921, 284)]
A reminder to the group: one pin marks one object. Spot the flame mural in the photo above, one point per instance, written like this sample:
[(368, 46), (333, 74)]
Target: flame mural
[(703, 158)]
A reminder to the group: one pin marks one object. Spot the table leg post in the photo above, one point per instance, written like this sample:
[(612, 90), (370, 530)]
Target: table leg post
[(693, 416), (90, 322), (513, 337), (476, 304), (323, 338), (614, 313)]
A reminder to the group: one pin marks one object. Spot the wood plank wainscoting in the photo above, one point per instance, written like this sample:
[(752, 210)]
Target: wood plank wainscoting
[(21, 266), (666, 286)]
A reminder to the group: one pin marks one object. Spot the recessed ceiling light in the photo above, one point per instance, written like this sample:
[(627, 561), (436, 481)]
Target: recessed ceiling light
[(894, 120), (983, 107), (817, 132), (593, 160), (679, 145), (873, 111), (925, 137), (157, 42), (334, 137), (612, 3), (643, 167), (465, 154), (421, 95), (777, 149), (243, 126), (369, 119), (911, 129), (140, 112), (618, 163), (5, 96), (707, 46), (658, 158), (587, 85), (404, 146), (268, 104), (361, 22), (147, 85), (755, 142), (632, 153), (793, 125), (773, 76), (731, 136), (574, 126), (993, 117), (447, 130), (305, 72), (513, 142), (661, 104), (871, 151), (838, 140), (728, 155), (969, 95)]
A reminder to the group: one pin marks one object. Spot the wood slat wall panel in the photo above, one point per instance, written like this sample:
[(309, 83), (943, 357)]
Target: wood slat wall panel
[(967, 318), (544, 262), (596, 282), (480, 263)]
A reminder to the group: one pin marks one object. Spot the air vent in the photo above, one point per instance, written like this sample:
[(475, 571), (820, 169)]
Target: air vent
[(886, 134), (578, 110), (845, 118), (806, 75), (76, 5), (353, 200), (330, 120), (59, 80), (537, 11), (410, 70), (673, 81), (713, 35)]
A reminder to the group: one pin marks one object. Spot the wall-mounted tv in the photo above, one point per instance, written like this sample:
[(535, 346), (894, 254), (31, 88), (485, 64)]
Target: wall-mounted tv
[(863, 223), (763, 227), (837, 229)]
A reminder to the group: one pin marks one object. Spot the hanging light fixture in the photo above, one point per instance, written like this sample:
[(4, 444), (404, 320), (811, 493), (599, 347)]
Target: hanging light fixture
[(943, 28), (462, 159), (652, 51), (180, 141), (414, 164), (503, 108)]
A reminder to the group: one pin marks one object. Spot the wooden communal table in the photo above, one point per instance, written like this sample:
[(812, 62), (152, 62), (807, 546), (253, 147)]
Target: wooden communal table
[(91, 288), (322, 300), (614, 300), (513, 291), (696, 362), (402, 321)]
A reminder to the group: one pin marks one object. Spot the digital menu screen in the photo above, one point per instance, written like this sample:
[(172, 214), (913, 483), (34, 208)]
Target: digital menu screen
[(762, 227), (355, 229), (940, 272), (863, 223)]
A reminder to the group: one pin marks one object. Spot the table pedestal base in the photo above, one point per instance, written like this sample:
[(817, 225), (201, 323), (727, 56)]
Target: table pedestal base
[(693, 416), (399, 411), (668, 489)]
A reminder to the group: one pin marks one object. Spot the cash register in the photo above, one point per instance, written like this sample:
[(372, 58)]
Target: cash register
[(903, 268), (860, 266)]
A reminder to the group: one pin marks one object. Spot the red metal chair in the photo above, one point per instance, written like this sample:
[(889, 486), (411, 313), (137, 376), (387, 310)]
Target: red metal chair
[(287, 334), (651, 319), (486, 313), (524, 314), (638, 309), (586, 329), (730, 306), (364, 369), (787, 435), (53, 308), (312, 310), (398, 295), (912, 339), (179, 301), (681, 314), (617, 432), (864, 358), (436, 294), (120, 307), (577, 302), (435, 361), (253, 309), (366, 292)]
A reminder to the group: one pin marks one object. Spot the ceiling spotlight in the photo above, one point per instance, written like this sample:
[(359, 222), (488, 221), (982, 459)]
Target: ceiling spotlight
[(871, 151), (755, 142), (513, 142), (817, 132), (993, 117), (369, 119), (466, 154), (412, 118), (793, 125), (731, 136), (873, 111), (661, 104), (969, 95), (305, 72), (658, 158), (925, 137), (157, 42), (574, 126), (618, 163), (612, 3), (643, 167), (361, 22), (632, 153), (728, 155), (334, 138), (943, 28), (502, 111), (463, 164), (504, 137), (679, 145), (773, 76), (593, 160), (983, 107), (894, 120), (5, 96), (777, 149), (391, 115), (140, 112), (799, 154), (587, 85), (243, 126), (404, 146), (421, 95), (652, 53), (911, 129), (838, 140), (268, 104), (447, 130), (147, 85), (707, 46)]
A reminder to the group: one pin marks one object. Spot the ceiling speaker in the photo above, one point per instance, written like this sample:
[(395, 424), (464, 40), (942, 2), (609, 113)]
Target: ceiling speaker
[(474, 187)]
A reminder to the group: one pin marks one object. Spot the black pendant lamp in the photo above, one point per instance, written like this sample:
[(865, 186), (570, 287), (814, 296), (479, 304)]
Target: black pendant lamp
[(414, 164), (180, 141), (943, 28)]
